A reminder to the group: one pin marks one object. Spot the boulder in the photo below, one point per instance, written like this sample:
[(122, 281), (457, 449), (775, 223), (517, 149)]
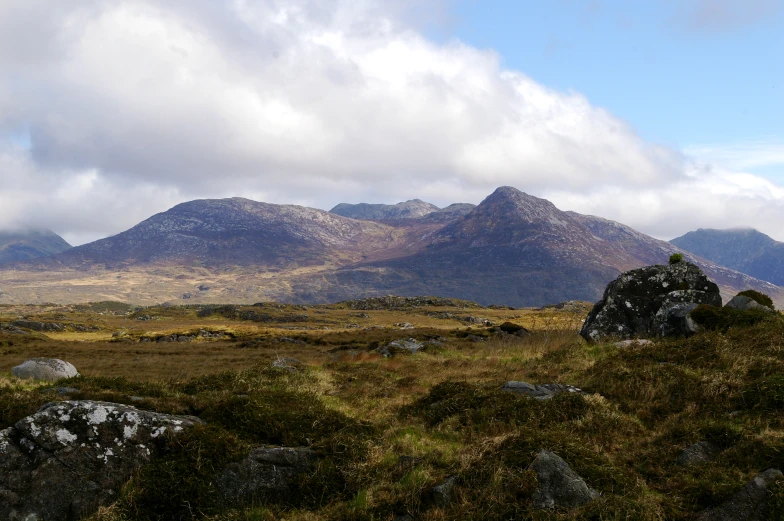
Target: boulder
[(541, 391), (71, 457), (49, 369), (558, 485), (410, 345), (745, 303), (39, 326), (653, 301), (263, 473), (697, 454), (748, 504)]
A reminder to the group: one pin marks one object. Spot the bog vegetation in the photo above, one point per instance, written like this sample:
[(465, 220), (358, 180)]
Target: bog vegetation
[(389, 430)]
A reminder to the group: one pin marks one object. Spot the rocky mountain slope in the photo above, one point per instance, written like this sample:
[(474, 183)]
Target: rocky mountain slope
[(378, 212), (512, 249), (30, 244), (745, 250)]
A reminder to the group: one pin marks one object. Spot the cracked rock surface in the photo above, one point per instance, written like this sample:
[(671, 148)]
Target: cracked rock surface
[(69, 458)]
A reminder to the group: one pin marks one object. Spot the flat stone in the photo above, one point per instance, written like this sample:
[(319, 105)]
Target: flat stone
[(540, 391)]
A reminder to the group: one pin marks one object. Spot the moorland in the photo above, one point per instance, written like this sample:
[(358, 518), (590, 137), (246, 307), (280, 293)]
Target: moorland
[(390, 429)]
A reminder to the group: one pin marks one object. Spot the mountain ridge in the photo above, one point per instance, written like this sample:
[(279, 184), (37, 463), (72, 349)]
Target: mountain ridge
[(23, 245), (512, 248)]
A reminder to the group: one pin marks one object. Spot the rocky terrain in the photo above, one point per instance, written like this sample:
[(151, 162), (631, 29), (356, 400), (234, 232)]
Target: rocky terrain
[(744, 250), (30, 244), (513, 249), (378, 212)]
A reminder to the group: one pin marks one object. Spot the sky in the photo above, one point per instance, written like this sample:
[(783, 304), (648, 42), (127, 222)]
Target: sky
[(665, 115)]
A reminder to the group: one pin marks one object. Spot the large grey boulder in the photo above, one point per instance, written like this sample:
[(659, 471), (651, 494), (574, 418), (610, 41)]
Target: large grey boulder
[(744, 303), (559, 486), (71, 457), (541, 391), (49, 369), (749, 504), (650, 302), (410, 345), (263, 473)]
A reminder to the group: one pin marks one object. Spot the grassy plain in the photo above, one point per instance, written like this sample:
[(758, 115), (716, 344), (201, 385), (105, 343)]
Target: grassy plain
[(390, 429)]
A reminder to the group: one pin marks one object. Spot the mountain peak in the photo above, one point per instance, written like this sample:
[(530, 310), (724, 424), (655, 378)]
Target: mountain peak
[(512, 204), (411, 209)]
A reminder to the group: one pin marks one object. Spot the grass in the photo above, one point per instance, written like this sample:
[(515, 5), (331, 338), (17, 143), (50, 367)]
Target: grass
[(388, 430)]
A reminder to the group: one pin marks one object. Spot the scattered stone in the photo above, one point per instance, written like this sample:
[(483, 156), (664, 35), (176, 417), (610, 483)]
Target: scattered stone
[(697, 454), (202, 287), (559, 486), (287, 364), (12, 330), (409, 345), (638, 342), (745, 303), (651, 301), (265, 472), (145, 317), (49, 369), (289, 340), (71, 457), (475, 338), (186, 296), (477, 320), (119, 334), (541, 391), (749, 504)]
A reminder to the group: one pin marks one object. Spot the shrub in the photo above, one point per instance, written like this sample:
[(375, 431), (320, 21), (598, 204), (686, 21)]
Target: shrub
[(722, 319), (675, 258), (759, 298)]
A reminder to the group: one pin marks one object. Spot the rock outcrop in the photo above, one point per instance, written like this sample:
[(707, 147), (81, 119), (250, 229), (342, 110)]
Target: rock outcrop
[(749, 504), (71, 457), (49, 369), (651, 301), (559, 486), (744, 303), (410, 345)]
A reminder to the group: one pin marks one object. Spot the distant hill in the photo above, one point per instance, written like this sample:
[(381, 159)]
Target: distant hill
[(745, 250), (30, 244), (379, 212), (513, 249)]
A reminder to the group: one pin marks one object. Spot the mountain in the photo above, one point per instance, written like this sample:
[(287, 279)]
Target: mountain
[(379, 212), (742, 249), (512, 248), (30, 244)]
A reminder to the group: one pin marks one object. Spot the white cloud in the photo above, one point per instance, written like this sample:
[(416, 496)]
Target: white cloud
[(137, 105)]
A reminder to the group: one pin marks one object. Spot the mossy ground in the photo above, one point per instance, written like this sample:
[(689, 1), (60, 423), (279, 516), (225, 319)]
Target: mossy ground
[(388, 430)]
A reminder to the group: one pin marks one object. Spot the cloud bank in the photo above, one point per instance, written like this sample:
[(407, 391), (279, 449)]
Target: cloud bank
[(111, 111)]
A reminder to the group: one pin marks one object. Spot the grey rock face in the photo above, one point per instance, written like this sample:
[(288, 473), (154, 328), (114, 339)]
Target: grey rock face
[(559, 486), (411, 345), (39, 326), (71, 457), (749, 504), (264, 472), (49, 369), (541, 391), (651, 301), (745, 303), (697, 454)]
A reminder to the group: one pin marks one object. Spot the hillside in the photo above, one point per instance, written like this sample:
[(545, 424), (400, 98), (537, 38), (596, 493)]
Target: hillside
[(30, 244), (744, 250), (513, 249), (377, 212)]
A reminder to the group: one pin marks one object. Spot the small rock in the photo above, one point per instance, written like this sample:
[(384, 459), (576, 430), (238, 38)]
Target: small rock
[(49, 369), (514, 329), (410, 345), (541, 391), (441, 495), (287, 364), (559, 486), (749, 504), (403, 325), (697, 454)]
